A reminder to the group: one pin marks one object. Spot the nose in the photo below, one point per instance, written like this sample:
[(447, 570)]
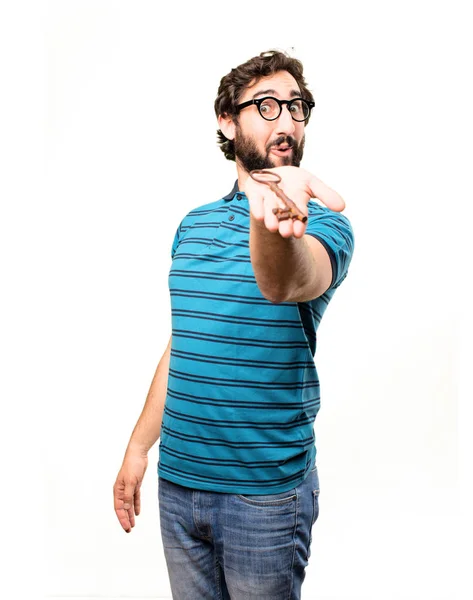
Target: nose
[(285, 124)]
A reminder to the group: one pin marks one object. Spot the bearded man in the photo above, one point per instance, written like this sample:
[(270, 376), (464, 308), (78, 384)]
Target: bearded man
[(236, 393)]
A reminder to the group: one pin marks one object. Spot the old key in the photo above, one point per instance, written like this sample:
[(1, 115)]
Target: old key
[(271, 180)]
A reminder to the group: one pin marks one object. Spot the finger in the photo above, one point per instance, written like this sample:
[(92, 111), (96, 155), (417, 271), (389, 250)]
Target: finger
[(122, 500), (124, 519), (128, 495), (131, 492), (131, 517), (292, 227), (295, 227), (329, 197), (299, 228), (137, 502), (122, 514), (257, 201), (286, 228), (271, 220)]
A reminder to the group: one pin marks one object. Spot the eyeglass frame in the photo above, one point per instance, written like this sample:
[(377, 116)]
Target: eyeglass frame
[(258, 102)]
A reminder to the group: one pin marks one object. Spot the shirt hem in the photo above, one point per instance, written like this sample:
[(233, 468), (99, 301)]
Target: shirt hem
[(229, 489)]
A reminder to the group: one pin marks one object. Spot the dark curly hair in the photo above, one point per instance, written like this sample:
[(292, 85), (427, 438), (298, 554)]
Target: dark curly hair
[(234, 83)]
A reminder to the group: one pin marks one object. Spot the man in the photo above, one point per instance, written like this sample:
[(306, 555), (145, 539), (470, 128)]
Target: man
[(236, 392)]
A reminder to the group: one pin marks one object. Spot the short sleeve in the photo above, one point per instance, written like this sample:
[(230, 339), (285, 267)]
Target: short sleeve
[(335, 232)]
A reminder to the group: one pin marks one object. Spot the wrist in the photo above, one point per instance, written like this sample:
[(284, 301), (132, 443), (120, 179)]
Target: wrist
[(136, 449)]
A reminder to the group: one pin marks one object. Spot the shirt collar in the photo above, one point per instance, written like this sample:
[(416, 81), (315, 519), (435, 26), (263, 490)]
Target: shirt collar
[(233, 192)]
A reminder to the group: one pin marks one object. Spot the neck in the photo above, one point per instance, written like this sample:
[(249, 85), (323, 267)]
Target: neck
[(242, 175)]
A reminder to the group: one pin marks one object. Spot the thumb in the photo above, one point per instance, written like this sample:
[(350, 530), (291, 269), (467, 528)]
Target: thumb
[(327, 195)]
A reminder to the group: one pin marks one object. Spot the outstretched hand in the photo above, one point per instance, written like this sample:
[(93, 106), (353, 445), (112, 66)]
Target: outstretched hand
[(300, 186)]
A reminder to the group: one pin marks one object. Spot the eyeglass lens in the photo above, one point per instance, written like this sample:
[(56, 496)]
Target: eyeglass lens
[(269, 109)]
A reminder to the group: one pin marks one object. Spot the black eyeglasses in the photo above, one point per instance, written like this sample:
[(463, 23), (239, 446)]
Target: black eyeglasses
[(270, 108)]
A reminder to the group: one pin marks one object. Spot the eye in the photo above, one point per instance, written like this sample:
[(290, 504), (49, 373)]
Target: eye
[(269, 108)]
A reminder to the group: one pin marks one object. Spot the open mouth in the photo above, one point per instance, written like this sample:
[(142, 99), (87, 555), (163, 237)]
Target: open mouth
[(281, 150)]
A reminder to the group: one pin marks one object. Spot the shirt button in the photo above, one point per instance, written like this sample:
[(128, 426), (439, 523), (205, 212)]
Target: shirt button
[(238, 197), (231, 217)]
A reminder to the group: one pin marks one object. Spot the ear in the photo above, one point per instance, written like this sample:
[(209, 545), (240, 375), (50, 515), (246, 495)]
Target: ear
[(227, 126)]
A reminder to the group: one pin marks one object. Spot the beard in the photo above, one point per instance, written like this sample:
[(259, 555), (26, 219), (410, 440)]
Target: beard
[(250, 158)]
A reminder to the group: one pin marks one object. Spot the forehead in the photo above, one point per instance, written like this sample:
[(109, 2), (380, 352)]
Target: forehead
[(281, 85)]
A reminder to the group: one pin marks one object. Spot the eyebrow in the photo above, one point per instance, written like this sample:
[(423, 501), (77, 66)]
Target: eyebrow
[(292, 93)]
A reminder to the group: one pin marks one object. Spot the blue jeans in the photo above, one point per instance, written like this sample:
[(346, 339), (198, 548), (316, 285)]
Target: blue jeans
[(237, 547)]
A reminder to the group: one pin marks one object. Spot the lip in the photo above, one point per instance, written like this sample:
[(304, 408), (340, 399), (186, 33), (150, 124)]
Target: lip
[(279, 152)]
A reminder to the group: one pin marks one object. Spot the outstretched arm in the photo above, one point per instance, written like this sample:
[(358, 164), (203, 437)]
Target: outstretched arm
[(289, 265)]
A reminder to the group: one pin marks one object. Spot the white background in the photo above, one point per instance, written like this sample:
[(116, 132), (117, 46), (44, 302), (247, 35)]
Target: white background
[(122, 94)]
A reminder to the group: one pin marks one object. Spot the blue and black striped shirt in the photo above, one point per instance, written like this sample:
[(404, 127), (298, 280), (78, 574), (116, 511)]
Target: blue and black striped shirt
[(243, 390)]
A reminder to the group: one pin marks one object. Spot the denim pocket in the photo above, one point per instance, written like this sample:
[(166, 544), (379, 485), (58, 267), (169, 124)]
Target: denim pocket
[(315, 505), (268, 499)]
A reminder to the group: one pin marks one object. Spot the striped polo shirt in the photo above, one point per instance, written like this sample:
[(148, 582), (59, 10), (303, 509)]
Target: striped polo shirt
[(243, 390)]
